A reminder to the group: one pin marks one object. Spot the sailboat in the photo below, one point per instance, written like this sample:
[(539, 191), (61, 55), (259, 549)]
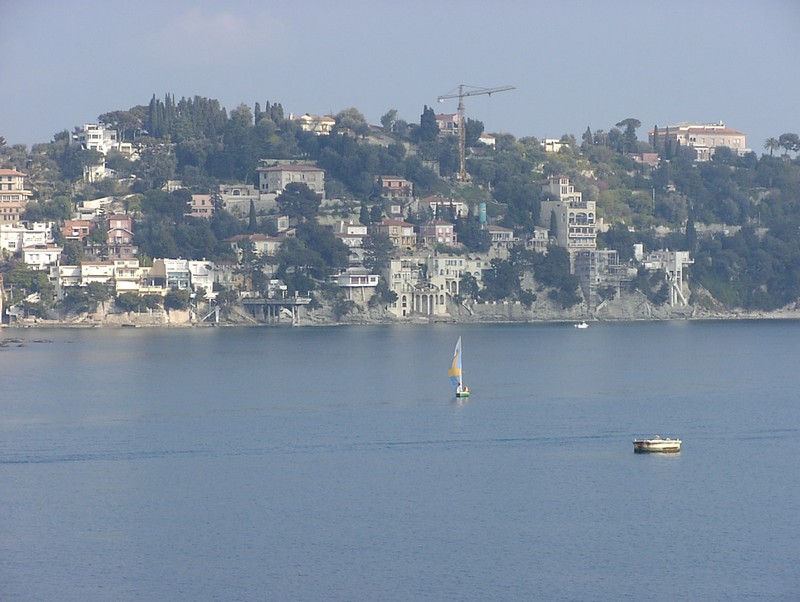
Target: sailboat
[(455, 374)]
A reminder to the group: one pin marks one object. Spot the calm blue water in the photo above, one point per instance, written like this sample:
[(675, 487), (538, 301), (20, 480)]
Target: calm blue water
[(331, 464)]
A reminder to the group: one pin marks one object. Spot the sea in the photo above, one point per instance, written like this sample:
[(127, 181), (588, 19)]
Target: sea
[(309, 464)]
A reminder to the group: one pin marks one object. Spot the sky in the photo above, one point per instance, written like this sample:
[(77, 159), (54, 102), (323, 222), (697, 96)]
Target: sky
[(573, 63)]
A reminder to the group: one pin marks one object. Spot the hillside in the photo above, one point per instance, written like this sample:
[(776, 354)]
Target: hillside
[(738, 215)]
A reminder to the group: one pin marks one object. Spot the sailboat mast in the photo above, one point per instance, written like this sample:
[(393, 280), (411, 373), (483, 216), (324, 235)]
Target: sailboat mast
[(460, 364)]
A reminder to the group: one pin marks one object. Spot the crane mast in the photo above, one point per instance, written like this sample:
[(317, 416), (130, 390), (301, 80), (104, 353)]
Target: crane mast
[(462, 124)]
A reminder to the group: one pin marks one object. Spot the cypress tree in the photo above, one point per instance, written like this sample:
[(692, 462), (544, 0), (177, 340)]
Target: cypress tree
[(553, 231), (691, 232), (667, 145), (252, 223), (587, 139), (428, 128)]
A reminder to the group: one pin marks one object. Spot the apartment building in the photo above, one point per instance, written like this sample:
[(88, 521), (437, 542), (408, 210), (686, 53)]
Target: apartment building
[(575, 218), (273, 180), (14, 237), (13, 195), (704, 138)]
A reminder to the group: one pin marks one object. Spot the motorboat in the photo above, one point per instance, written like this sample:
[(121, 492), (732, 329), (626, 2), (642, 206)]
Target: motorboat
[(657, 445)]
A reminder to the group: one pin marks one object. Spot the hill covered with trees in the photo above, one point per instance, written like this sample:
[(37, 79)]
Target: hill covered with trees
[(738, 215)]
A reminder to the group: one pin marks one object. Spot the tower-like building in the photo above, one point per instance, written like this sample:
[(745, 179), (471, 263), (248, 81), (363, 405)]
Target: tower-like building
[(574, 219)]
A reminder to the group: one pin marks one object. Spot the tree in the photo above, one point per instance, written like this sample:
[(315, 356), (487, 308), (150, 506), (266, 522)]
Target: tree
[(297, 263), (135, 302), (252, 223), (239, 142), (502, 281), (57, 210), (376, 213), (72, 253), (388, 121), (629, 140), (298, 201), (771, 144), (472, 235), (73, 160), (334, 253), (353, 120), (383, 295), (789, 142), (401, 129), (23, 281), (126, 123), (428, 127), (363, 215), (468, 286), (177, 299), (552, 230), (156, 165), (587, 140), (378, 249), (170, 205), (474, 129), (76, 300)]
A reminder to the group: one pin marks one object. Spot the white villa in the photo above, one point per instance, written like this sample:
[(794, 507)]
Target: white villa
[(14, 237), (425, 286), (704, 138)]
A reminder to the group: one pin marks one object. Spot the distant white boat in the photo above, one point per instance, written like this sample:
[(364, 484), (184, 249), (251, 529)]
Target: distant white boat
[(657, 445), (455, 374), (581, 325)]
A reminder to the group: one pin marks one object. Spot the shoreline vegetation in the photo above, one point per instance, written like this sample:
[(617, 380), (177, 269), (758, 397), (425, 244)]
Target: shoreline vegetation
[(632, 308)]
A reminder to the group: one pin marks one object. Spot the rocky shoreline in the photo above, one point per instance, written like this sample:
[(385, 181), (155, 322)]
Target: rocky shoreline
[(631, 308)]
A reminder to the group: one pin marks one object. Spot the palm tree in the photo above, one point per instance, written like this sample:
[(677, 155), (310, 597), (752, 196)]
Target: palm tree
[(771, 144)]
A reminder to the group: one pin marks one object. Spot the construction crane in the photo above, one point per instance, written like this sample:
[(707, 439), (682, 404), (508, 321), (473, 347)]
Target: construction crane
[(462, 124)]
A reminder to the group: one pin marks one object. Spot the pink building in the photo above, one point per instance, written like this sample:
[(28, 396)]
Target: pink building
[(438, 232)]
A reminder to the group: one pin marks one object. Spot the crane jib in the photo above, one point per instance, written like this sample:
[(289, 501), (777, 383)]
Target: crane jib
[(462, 172)]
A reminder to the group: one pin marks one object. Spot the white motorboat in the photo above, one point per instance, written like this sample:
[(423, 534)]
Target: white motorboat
[(656, 444)]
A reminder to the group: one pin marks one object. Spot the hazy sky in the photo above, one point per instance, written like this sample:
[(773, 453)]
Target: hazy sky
[(574, 63)]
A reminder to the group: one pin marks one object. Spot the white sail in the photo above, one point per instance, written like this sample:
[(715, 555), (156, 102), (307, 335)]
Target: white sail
[(456, 373)]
